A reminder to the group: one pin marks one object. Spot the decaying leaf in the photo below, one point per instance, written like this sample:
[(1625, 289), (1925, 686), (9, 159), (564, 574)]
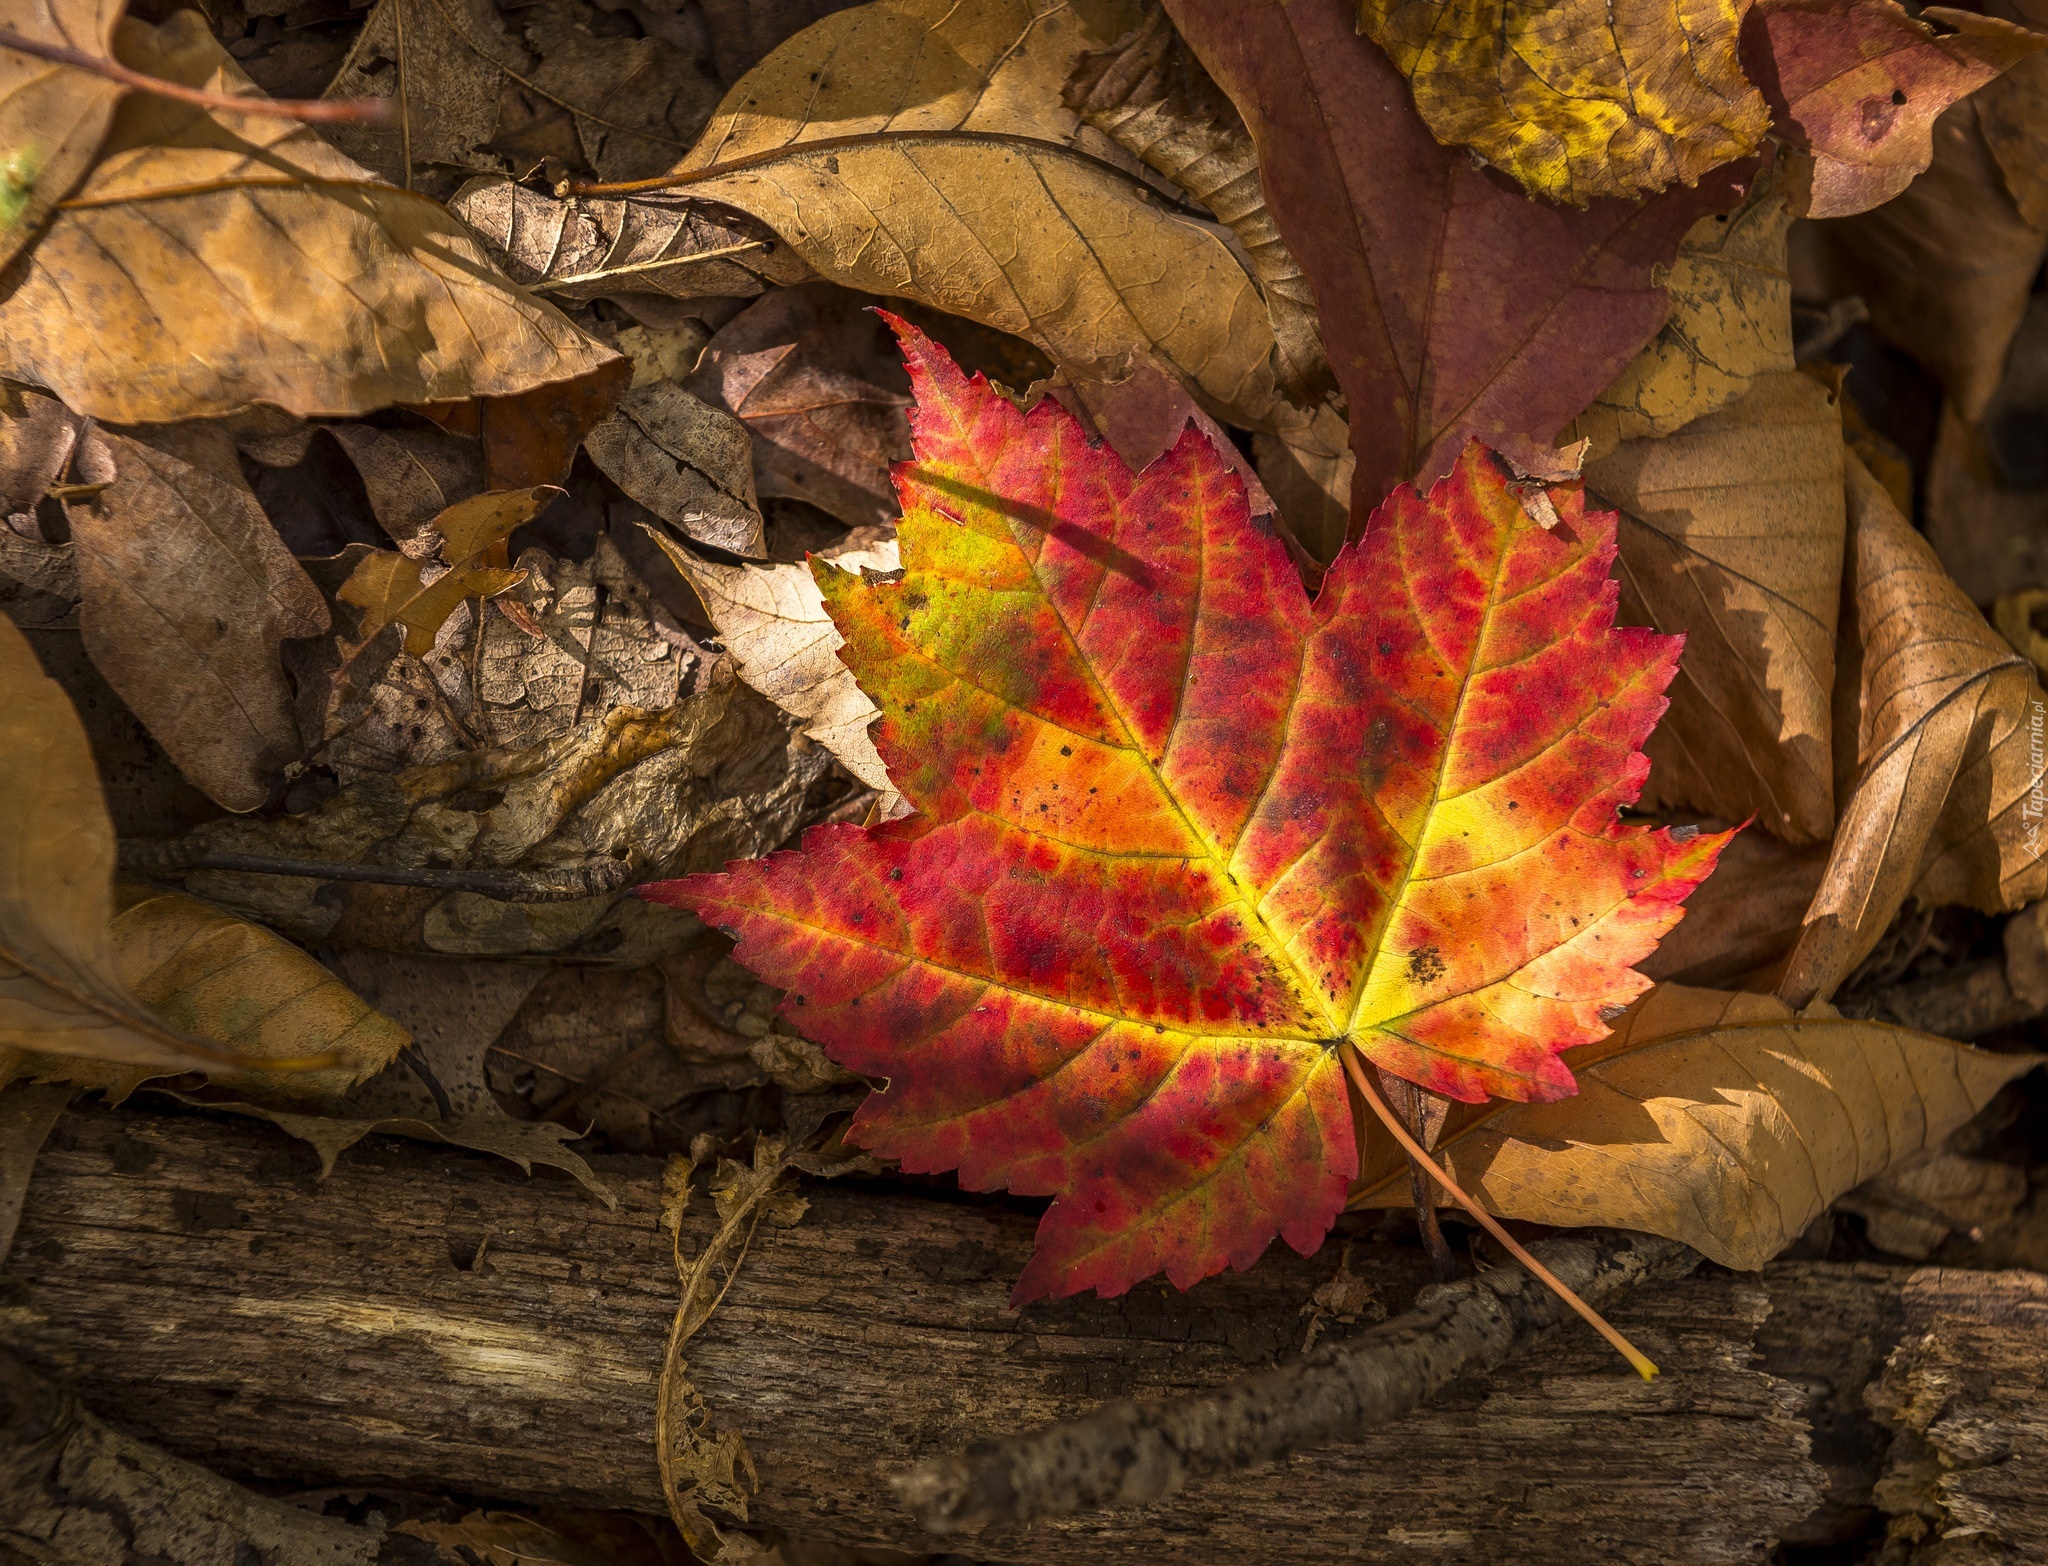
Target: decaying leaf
[(580, 249), (444, 63), (1183, 835), (1945, 268), (1582, 98), (51, 116), (1859, 84), (1731, 321), (1722, 1120), (773, 621), (810, 373), (915, 66), (188, 592), (688, 462), (60, 990), (1933, 722), (1732, 531), (1150, 95), (1453, 307), (257, 264)]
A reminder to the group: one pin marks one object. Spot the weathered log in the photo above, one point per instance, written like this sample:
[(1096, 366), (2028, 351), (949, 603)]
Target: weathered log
[(432, 1319)]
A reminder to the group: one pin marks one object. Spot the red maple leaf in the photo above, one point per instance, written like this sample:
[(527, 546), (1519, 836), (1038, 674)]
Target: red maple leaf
[(1182, 835)]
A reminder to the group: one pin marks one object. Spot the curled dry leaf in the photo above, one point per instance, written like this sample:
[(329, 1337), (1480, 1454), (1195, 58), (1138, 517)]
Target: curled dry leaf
[(1945, 268), (1184, 835), (52, 116), (1453, 307), (772, 620), (1581, 98), (1859, 85), (1732, 532), (188, 592), (230, 290), (60, 989), (1150, 96), (810, 373), (1940, 713), (1731, 321), (645, 245), (1722, 1120), (689, 463)]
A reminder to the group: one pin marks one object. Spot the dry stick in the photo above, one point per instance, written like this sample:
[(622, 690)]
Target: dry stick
[(566, 883), (356, 111), (1125, 1454), (1488, 1222)]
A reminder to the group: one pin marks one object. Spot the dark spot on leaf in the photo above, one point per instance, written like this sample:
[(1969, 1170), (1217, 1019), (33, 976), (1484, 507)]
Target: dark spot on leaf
[(1066, 750), (1425, 965), (896, 874)]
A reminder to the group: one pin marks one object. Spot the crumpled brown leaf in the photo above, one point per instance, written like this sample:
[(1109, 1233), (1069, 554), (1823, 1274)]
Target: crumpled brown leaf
[(39, 438), (1722, 1120), (772, 620), (1934, 717), (60, 989), (1150, 96), (582, 248), (1579, 98), (1858, 83), (446, 60), (688, 462), (257, 264), (188, 592), (1731, 321), (1731, 532), (51, 116), (817, 380)]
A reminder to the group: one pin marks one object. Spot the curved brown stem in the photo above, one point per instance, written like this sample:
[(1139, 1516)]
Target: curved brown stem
[(352, 111)]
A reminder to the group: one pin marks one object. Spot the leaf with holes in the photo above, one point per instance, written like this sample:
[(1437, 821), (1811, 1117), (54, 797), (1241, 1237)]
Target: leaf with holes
[(1183, 835)]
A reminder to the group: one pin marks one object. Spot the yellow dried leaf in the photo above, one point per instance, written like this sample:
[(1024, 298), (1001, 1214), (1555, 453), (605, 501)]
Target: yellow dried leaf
[(213, 261), (1715, 1118), (51, 116), (1578, 98), (471, 526), (386, 586)]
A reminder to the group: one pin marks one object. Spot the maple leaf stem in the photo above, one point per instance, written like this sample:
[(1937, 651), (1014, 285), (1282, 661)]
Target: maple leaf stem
[(354, 111), (1628, 1351)]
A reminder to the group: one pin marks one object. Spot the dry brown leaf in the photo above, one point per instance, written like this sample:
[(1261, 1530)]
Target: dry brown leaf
[(898, 67), (257, 264), (51, 116), (624, 107), (1913, 1208), (1578, 98), (1741, 921), (1722, 1120), (393, 587), (38, 438), (1308, 474), (2026, 954), (1988, 536), (1934, 719), (1731, 321), (1946, 267), (412, 475), (1150, 95), (579, 249), (818, 381), (29, 1112), (2013, 115), (238, 985), (1732, 533), (445, 61), (772, 620), (188, 592), (60, 990), (688, 462)]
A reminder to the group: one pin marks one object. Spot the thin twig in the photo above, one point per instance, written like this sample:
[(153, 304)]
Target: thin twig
[(1487, 1221), (513, 886), (606, 274), (350, 111)]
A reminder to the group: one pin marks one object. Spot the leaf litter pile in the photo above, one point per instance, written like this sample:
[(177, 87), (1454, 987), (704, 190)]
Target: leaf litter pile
[(1254, 618)]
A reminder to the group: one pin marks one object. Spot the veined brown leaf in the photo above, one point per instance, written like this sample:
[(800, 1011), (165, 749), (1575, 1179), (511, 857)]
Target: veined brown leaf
[(1731, 531), (1939, 711), (61, 992), (51, 116), (688, 462), (1719, 1119), (257, 264)]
